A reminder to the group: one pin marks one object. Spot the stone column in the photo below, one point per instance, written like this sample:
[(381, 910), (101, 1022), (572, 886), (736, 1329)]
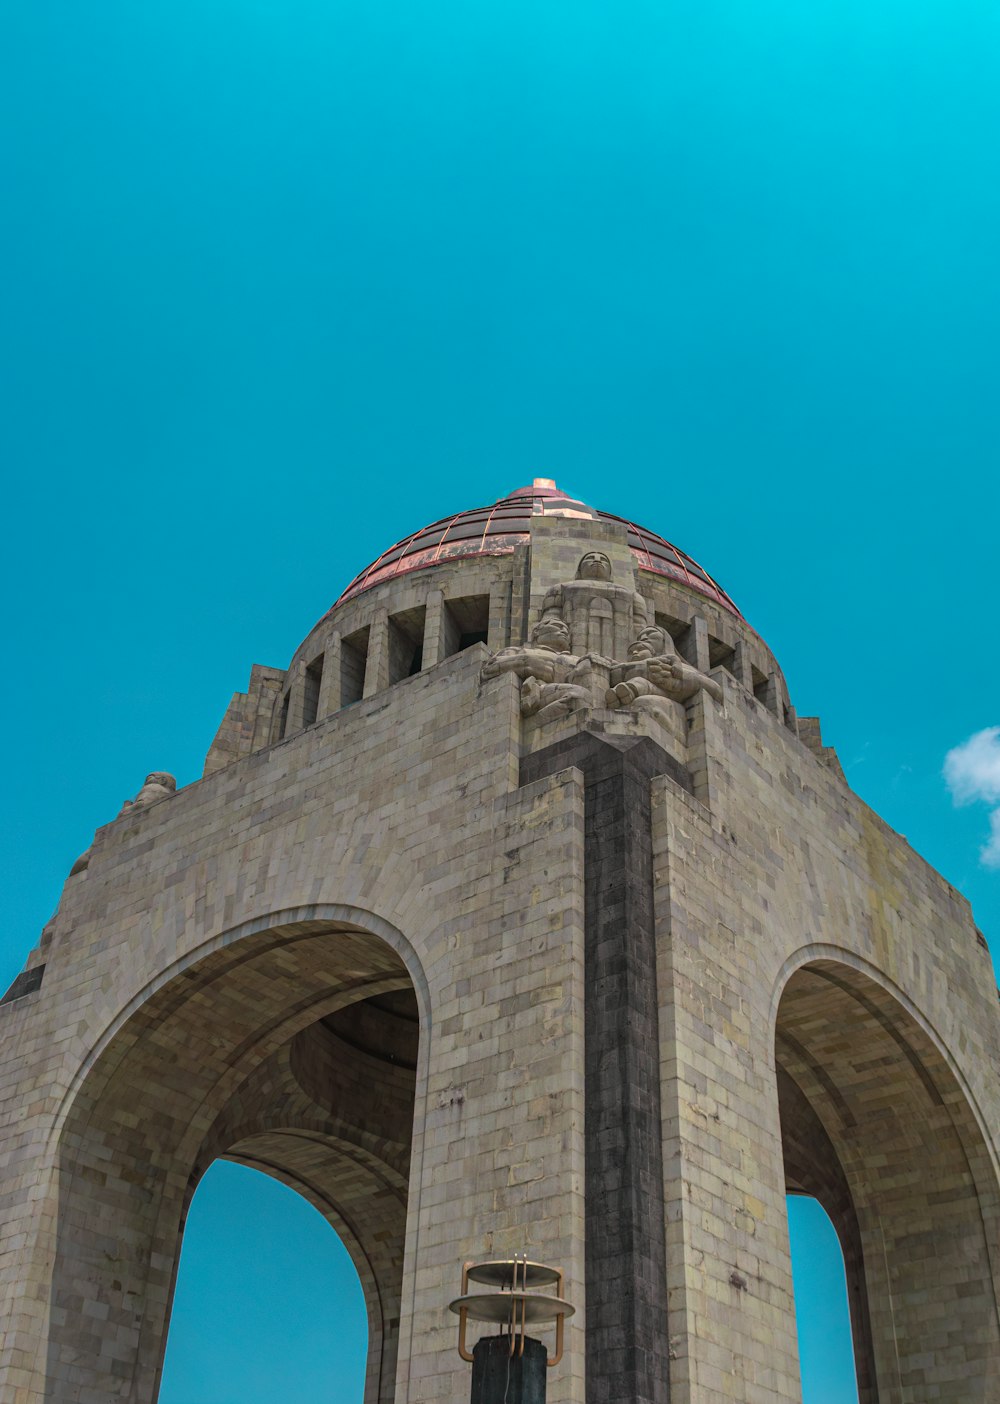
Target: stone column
[(731, 1310), (741, 665), (497, 1166), (500, 608), (279, 717), (377, 666), (296, 700), (329, 690), (434, 631), (772, 695), (627, 1343), (520, 600), (31, 1198), (697, 644)]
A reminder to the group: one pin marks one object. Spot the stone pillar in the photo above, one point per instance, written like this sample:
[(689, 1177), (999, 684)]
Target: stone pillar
[(500, 609), (772, 695), (741, 665), (270, 689), (520, 601), (697, 644), (296, 700), (279, 717), (497, 1166), (377, 666), (434, 630), (329, 691), (627, 1343), (731, 1312), (31, 1203)]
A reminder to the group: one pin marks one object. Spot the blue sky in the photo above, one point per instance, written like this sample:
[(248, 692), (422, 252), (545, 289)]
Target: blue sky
[(283, 281)]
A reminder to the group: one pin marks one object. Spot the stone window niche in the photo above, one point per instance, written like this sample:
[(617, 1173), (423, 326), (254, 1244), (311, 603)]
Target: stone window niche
[(720, 655), (283, 720), (681, 633), (466, 622), (353, 661), (760, 688), (406, 643), (310, 699)]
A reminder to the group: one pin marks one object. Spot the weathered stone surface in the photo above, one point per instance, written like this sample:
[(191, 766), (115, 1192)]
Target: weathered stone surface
[(627, 1341), (592, 985)]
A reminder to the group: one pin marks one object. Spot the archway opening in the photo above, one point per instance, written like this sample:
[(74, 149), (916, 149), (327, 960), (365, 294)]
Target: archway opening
[(293, 1051), (268, 1305), (822, 1313), (876, 1128)]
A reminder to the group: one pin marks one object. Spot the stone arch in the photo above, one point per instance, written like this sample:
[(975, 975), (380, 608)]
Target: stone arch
[(290, 1046), (878, 1126)]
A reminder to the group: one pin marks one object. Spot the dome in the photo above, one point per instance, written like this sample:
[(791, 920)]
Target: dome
[(499, 529)]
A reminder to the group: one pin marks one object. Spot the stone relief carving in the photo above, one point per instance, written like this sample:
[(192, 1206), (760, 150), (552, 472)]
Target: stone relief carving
[(655, 677), (601, 615), (569, 662), (157, 785), (82, 863), (554, 681)]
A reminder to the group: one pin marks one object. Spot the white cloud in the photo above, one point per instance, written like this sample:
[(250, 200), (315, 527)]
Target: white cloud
[(990, 854), (972, 772)]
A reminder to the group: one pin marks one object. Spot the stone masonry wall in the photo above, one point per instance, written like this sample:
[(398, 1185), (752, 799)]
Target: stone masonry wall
[(525, 883), (782, 868), (402, 818)]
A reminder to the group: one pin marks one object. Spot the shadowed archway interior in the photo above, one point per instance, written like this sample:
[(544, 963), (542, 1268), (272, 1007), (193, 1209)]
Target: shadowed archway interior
[(876, 1128), (294, 1052)]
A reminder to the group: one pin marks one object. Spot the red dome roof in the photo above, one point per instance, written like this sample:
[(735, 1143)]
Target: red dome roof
[(497, 530)]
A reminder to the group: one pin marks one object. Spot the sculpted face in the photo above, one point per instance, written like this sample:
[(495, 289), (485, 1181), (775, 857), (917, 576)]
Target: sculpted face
[(595, 565), (651, 643), (551, 633), (161, 777)]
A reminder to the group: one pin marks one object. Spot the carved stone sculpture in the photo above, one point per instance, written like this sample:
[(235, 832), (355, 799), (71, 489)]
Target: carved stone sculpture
[(655, 678), (157, 785), (601, 615), (554, 681), (82, 863)]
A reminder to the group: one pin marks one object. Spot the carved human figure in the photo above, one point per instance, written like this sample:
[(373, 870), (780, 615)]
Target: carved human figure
[(157, 785), (655, 677), (601, 615), (554, 681), (82, 863)]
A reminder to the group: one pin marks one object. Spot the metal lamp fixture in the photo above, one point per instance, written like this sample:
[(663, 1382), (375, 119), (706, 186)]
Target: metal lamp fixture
[(511, 1365)]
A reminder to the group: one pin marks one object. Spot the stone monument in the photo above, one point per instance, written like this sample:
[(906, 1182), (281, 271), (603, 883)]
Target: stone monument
[(519, 918)]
